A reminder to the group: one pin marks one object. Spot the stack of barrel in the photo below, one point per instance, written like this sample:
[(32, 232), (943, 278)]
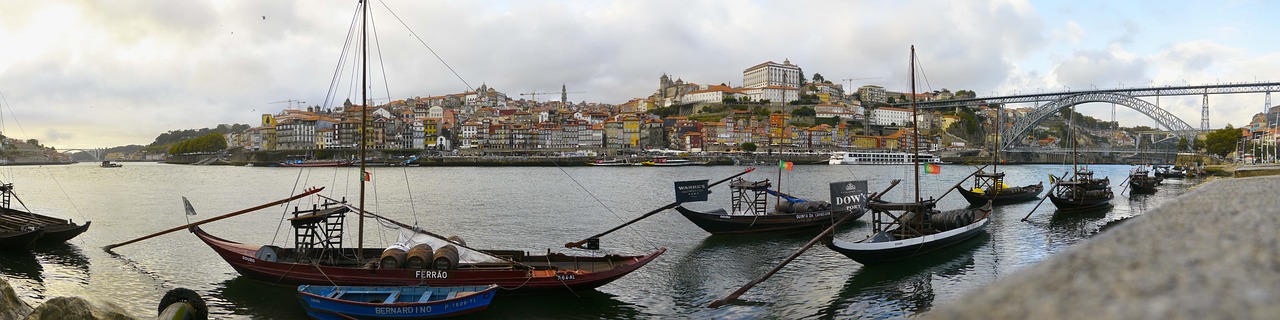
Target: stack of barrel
[(421, 256)]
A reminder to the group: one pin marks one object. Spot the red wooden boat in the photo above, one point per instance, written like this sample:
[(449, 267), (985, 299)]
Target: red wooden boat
[(531, 273), (320, 257)]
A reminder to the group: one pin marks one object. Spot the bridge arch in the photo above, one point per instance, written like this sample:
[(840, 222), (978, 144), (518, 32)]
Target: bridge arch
[(1011, 136)]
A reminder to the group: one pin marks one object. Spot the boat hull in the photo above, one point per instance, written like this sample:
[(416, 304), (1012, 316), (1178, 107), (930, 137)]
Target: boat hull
[(556, 272), (17, 239), (869, 252), (720, 222), (331, 302), (1023, 194), (345, 163), (54, 230), (1080, 204)]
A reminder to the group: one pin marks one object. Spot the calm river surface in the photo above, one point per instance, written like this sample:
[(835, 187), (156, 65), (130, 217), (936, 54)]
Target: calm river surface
[(531, 209)]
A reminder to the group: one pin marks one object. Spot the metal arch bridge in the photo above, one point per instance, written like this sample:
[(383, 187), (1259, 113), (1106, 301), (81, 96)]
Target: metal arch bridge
[(1127, 97), (1056, 150)]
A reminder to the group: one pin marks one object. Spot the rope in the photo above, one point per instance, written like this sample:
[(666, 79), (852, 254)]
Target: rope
[(424, 44), (593, 196)]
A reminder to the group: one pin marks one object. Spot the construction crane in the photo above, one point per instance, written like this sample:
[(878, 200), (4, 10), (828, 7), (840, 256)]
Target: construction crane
[(291, 102), (564, 94)]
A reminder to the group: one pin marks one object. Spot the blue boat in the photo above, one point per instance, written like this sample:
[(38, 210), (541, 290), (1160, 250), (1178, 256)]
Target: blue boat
[(408, 302)]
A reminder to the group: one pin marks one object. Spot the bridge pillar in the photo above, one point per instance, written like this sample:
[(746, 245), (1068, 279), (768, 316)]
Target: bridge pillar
[(1204, 114)]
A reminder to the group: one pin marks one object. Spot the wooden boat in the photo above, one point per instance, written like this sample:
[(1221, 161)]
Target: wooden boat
[(1081, 191), (321, 257), (917, 228), (407, 302), (750, 211), (990, 187), (1170, 172), (53, 230), (108, 164), (1140, 181), (18, 238)]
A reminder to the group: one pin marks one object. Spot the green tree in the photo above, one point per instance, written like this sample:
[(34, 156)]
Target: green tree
[(1222, 141), (749, 147), (804, 112), (817, 77), (34, 142), (1183, 144)]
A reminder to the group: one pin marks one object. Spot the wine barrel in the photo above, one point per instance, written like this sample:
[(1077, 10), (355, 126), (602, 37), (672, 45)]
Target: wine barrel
[(457, 239), (420, 257), (392, 258), (446, 258), (786, 207)]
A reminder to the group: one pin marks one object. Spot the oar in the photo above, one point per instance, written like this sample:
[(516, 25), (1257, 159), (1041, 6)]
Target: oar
[(944, 194), (298, 196), (650, 213), (1046, 196), (734, 296)]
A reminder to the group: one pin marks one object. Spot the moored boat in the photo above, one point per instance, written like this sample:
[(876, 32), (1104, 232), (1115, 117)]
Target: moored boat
[(990, 187), (316, 163), (18, 238), (617, 162), (417, 257), (404, 302), (665, 162), (108, 164), (872, 157), (917, 230), (1140, 181), (52, 230), (750, 211)]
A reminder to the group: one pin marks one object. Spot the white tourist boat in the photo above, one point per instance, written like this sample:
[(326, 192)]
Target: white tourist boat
[(873, 157)]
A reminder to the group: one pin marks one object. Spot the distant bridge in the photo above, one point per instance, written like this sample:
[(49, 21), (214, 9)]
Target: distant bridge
[(96, 153), (1127, 97), (1057, 150)]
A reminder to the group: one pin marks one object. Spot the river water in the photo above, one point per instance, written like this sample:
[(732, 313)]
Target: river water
[(532, 209)]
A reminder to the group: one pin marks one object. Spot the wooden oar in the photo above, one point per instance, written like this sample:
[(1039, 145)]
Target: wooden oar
[(650, 213), (944, 194), (1046, 196), (298, 196), (734, 296)]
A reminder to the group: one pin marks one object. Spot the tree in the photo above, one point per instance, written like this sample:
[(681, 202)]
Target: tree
[(749, 147), (1183, 144), (817, 77), (1222, 141), (804, 112), (33, 142)]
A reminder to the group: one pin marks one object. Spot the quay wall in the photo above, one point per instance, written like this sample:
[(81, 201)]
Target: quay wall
[(1211, 253)]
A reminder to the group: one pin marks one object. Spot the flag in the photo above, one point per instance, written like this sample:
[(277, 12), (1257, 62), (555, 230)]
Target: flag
[(1053, 179), (191, 211), (784, 165), (932, 168), (368, 176)]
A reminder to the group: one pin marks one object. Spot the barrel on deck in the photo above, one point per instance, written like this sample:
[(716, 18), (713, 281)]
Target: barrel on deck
[(392, 258), (420, 257), (446, 258)]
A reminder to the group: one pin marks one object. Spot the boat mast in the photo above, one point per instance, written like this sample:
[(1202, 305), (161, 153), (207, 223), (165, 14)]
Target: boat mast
[(364, 118), (995, 149), (915, 127)]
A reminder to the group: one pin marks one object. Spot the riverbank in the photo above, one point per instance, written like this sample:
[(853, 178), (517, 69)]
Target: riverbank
[(1210, 253)]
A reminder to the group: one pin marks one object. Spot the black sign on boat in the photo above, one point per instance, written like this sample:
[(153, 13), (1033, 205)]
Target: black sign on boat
[(849, 195), (691, 191)]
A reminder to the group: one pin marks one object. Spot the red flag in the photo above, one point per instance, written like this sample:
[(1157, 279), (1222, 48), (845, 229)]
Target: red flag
[(785, 165), (932, 168), (368, 176)]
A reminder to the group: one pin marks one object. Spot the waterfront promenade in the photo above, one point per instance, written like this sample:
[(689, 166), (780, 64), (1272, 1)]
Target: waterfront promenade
[(1211, 253)]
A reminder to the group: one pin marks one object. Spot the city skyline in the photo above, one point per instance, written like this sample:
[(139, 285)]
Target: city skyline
[(98, 75)]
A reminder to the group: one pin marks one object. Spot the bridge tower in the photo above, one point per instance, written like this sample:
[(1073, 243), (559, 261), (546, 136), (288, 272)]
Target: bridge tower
[(1204, 113)]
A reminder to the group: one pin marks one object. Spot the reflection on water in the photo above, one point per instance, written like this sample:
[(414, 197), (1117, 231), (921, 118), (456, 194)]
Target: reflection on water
[(544, 211), (904, 288)]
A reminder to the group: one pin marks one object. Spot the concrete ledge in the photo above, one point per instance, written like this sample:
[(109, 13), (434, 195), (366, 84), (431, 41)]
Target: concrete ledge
[(1213, 253)]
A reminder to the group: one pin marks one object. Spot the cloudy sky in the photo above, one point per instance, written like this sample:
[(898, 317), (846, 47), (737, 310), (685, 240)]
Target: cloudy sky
[(85, 74)]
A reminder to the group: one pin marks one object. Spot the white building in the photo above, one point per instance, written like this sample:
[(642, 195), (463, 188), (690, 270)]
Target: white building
[(714, 94), (775, 94), (772, 74), (890, 116), (872, 94)]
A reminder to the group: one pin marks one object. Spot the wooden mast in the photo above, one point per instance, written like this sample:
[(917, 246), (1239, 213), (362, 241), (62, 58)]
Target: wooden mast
[(915, 127), (364, 119)]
